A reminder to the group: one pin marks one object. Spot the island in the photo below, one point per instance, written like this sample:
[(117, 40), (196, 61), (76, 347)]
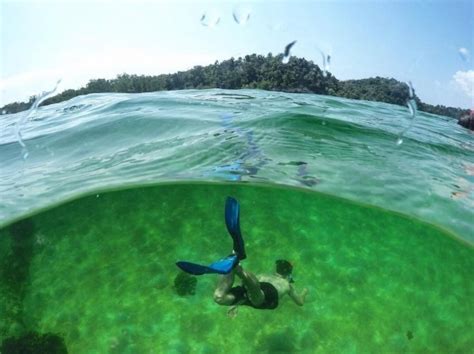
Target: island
[(254, 71)]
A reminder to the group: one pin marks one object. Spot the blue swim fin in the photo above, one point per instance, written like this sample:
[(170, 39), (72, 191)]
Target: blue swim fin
[(192, 268), (232, 221), (222, 266)]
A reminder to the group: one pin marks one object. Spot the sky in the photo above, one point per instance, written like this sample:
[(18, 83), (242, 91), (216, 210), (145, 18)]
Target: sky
[(430, 43)]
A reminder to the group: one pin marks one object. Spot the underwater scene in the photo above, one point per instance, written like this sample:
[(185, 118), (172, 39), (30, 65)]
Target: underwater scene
[(137, 182)]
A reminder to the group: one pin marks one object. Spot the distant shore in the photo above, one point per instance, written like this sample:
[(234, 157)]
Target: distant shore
[(257, 72)]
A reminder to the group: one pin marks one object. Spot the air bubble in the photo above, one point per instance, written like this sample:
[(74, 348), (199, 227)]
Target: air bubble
[(4, 112), (241, 15), (210, 18)]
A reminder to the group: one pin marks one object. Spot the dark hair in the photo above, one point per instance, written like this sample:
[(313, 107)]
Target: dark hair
[(283, 267)]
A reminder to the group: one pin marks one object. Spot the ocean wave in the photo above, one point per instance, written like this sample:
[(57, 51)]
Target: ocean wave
[(339, 146)]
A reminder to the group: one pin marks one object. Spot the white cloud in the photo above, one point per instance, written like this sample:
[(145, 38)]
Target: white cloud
[(465, 81), (77, 68), (464, 53)]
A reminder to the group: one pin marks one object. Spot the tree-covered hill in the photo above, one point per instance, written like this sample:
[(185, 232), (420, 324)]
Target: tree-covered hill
[(254, 71)]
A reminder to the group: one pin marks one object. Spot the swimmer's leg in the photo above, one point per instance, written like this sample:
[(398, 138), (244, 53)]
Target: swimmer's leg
[(222, 296), (251, 284)]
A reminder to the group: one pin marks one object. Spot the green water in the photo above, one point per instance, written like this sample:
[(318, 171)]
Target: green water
[(99, 271)]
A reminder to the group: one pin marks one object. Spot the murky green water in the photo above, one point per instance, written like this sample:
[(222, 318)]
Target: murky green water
[(99, 271)]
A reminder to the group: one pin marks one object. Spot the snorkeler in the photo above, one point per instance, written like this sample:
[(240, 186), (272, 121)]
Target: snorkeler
[(260, 292)]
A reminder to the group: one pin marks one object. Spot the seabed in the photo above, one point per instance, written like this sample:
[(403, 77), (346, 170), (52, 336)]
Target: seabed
[(99, 272)]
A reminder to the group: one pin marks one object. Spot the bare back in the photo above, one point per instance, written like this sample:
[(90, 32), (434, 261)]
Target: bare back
[(281, 284)]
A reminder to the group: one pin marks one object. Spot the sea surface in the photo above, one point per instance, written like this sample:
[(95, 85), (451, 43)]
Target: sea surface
[(342, 147)]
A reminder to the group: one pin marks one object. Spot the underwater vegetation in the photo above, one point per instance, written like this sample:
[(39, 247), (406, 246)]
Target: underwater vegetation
[(14, 279), (185, 284), (17, 249), (22, 240), (34, 343)]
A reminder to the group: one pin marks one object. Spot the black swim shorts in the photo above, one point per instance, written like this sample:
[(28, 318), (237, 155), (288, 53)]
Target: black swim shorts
[(269, 303)]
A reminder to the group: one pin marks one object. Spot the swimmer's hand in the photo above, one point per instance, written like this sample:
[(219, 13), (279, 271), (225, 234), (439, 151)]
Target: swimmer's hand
[(299, 299), (232, 312), (304, 293)]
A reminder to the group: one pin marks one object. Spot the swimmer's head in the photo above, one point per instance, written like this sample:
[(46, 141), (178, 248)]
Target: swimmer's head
[(284, 268)]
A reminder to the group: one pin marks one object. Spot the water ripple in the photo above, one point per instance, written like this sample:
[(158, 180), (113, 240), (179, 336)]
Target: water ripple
[(339, 146)]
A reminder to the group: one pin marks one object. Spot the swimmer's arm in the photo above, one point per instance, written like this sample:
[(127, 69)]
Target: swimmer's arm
[(298, 298)]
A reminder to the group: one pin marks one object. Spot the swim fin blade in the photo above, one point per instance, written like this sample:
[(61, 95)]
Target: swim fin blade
[(222, 266), (192, 268), (232, 221), (226, 264)]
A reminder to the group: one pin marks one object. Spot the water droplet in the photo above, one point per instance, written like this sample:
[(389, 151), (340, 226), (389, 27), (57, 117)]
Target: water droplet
[(464, 53), (411, 103), (287, 52), (326, 58), (210, 18), (288, 48), (97, 195), (40, 98), (410, 90), (241, 15)]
